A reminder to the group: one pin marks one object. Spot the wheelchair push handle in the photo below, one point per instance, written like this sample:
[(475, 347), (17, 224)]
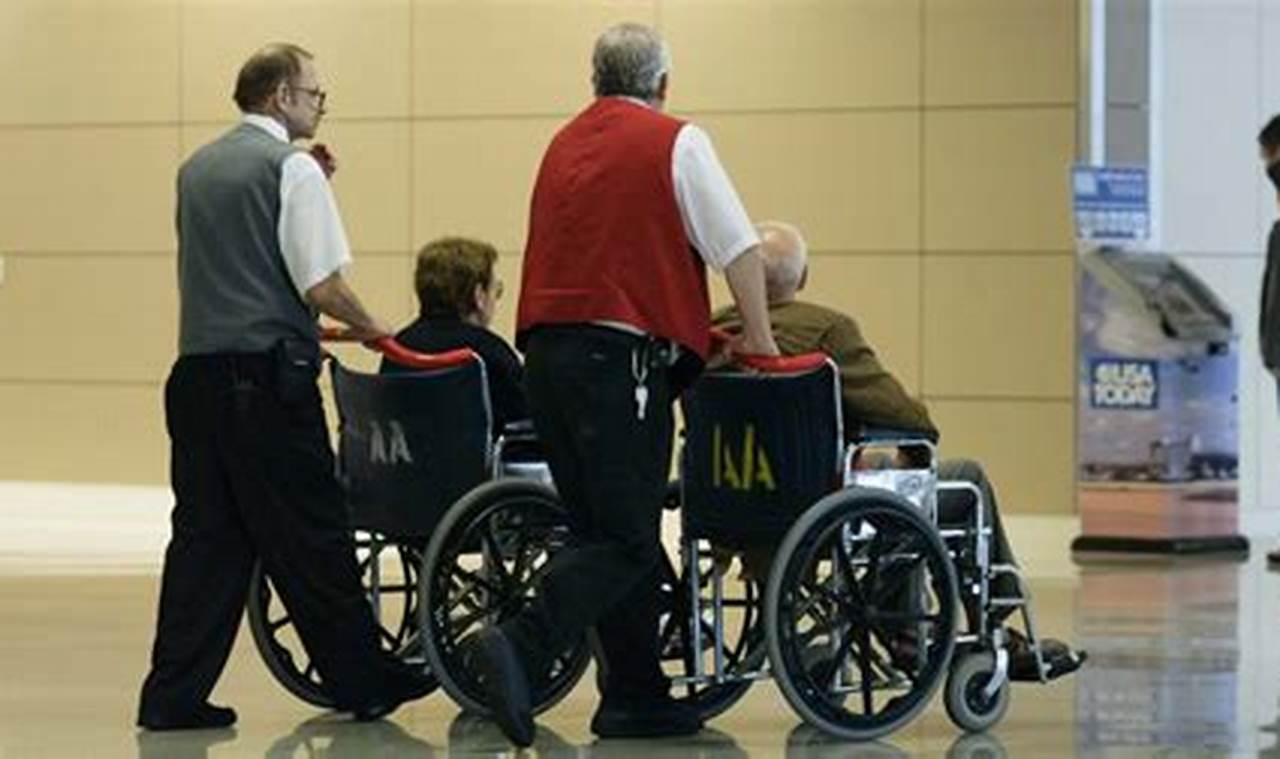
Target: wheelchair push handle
[(394, 351), (769, 364)]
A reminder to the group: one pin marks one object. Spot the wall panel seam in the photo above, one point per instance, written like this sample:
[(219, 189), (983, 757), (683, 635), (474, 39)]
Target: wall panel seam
[(921, 199), (155, 384), (998, 253)]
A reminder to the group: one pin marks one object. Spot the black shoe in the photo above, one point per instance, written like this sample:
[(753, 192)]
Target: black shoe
[(203, 716), (1273, 558), (406, 684), (502, 677), (1058, 657), (412, 683), (657, 717)]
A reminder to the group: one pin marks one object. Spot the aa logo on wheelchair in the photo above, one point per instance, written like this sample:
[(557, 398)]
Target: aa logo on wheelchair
[(389, 448), (743, 469)]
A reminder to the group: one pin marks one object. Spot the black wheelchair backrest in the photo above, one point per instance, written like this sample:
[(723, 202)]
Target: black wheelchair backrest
[(411, 444), (759, 449)]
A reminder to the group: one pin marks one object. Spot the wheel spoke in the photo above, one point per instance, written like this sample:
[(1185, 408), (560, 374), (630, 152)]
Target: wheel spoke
[(495, 556), (864, 666), (523, 559), (476, 579), (836, 664)]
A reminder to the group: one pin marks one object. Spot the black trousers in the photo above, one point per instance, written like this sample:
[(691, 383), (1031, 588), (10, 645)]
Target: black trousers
[(253, 476), (610, 468)]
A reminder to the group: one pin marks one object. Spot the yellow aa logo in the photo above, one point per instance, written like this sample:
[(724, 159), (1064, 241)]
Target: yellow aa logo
[(740, 471)]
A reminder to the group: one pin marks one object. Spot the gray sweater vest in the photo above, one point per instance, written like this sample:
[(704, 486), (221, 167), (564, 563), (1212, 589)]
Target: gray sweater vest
[(236, 294)]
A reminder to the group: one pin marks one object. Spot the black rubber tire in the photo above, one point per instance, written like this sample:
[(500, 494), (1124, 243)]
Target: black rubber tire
[(455, 536), (963, 698), (912, 539), (288, 662), (298, 679)]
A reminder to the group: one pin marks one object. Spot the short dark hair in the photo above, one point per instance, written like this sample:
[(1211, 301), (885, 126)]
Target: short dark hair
[(1269, 137), (447, 273), (265, 70)]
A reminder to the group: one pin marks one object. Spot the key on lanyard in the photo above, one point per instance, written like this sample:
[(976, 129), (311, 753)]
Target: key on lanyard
[(640, 372)]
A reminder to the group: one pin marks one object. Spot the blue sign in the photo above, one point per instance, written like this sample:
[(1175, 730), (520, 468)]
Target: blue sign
[(1111, 203), (1124, 384)]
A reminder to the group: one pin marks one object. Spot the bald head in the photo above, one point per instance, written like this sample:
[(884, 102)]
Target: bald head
[(785, 257)]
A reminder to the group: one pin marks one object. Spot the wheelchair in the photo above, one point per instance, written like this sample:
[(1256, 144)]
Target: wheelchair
[(410, 446), (849, 581)]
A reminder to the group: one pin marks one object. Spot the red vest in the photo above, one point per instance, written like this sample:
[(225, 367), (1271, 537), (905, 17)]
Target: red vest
[(606, 240)]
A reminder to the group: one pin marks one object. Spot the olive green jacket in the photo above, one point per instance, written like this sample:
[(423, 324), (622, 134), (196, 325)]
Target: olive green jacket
[(871, 396)]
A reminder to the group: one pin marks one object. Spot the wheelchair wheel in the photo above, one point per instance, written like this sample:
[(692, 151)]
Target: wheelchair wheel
[(394, 601), (742, 651), (481, 567), (860, 614), (967, 705)]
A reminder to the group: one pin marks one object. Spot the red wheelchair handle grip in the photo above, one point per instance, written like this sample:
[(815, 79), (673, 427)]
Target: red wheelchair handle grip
[(769, 364), (394, 351)]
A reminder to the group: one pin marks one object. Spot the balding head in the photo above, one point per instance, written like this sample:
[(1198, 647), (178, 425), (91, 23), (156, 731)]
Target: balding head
[(786, 260)]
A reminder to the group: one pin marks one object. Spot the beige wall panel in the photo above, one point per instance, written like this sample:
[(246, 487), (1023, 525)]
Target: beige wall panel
[(474, 178), (504, 320), (1026, 448), (984, 52), (883, 294), (849, 180), (997, 179), (372, 182), (100, 189), (998, 326), (497, 57), (83, 433), (88, 62), (361, 49), (778, 54), (61, 318)]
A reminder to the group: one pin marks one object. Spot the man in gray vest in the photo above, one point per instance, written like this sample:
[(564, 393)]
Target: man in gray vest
[(261, 250)]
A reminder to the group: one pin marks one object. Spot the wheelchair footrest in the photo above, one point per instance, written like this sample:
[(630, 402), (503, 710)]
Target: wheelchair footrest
[(1059, 660)]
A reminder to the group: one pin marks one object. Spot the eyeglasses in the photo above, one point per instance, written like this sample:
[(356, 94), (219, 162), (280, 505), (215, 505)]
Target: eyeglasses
[(315, 92)]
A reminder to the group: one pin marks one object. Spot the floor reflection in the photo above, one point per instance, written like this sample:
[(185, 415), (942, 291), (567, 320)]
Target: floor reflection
[(1184, 661), (338, 737), (1165, 654)]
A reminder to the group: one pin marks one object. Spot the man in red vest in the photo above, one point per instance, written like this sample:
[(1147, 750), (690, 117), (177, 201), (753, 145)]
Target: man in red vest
[(629, 209)]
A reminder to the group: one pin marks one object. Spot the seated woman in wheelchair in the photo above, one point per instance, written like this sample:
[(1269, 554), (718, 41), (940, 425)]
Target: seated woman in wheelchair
[(873, 398), (458, 292)]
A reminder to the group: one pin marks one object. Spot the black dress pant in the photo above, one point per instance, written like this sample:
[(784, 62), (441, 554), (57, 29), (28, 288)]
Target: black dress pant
[(610, 468), (253, 477)]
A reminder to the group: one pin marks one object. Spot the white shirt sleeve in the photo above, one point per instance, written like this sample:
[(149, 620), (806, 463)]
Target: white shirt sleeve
[(312, 239), (714, 219)]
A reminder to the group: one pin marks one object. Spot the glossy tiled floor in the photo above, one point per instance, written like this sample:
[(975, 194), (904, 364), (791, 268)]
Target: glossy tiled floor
[(1185, 661)]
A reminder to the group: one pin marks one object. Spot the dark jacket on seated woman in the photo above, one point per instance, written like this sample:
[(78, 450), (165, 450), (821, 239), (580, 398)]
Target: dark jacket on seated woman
[(458, 293), (502, 366)]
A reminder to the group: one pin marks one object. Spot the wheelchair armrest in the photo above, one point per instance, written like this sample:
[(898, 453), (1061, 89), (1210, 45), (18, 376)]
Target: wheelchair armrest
[(519, 428), (873, 434)]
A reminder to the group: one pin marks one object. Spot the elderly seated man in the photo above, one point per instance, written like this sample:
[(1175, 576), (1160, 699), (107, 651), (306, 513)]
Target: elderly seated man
[(458, 292), (872, 397)]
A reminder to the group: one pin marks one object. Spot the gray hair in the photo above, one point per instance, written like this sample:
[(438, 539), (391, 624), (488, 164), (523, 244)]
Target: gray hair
[(629, 60), (785, 255)]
